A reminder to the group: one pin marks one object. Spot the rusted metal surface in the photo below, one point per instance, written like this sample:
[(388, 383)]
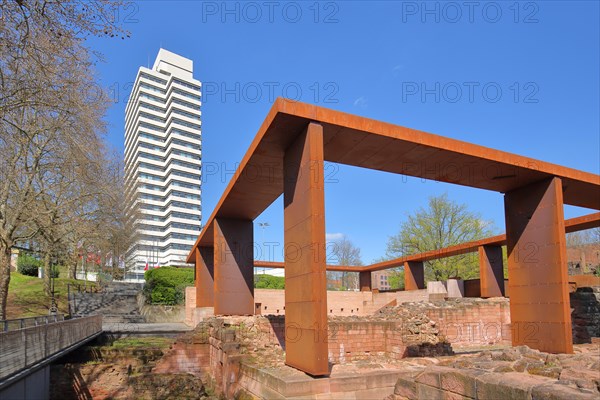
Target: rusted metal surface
[(491, 271), (205, 278), (414, 275), (571, 225), (537, 267), (348, 139), (584, 222), (304, 231), (364, 281), (367, 143), (233, 267), (280, 265)]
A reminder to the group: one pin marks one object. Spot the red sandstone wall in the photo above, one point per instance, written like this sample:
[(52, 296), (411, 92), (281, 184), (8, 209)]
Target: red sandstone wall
[(468, 324), (347, 341), (585, 280), (350, 341), (474, 324), (272, 301), (409, 295), (190, 304), (189, 358)]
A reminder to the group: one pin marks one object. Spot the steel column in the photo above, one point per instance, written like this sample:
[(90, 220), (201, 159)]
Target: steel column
[(305, 279), (491, 271), (205, 277), (364, 279), (414, 275), (537, 267), (233, 267)]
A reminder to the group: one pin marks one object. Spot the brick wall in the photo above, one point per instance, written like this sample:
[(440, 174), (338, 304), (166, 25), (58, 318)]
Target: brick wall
[(464, 324), (351, 341), (409, 295), (190, 304), (348, 303), (188, 358), (467, 323), (585, 317)]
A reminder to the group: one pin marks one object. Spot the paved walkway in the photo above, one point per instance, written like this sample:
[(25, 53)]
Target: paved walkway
[(125, 327)]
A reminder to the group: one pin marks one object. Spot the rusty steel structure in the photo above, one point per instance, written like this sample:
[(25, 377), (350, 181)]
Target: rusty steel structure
[(491, 263), (287, 157)]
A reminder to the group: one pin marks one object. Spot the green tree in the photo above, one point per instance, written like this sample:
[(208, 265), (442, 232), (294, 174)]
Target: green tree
[(265, 281), (166, 285), (396, 279), (443, 223)]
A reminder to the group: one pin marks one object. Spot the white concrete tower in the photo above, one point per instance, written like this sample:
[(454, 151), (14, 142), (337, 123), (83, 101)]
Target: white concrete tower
[(163, 151)]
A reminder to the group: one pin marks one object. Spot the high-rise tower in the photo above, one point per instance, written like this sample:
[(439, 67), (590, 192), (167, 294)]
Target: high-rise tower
[(163, 149)]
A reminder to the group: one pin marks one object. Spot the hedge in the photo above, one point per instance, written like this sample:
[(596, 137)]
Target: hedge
[(28, 265), (264, 281), (166, 285)]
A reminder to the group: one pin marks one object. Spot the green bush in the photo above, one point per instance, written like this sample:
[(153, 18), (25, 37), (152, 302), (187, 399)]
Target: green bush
[(166, 285), (28, 265), (264, 281)]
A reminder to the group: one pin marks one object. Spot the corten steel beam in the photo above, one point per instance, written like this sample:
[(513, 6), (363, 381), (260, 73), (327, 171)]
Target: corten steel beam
[(463, 248), (491, 271), (571, 225), (414, 275), (280, 265), (581, 223), (205, 278), (364, 280), (537, 267), (304, 231), (233, 267), (353, 140)]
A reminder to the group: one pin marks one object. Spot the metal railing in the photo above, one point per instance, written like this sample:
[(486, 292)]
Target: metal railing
[(24, 348), (22, 323)]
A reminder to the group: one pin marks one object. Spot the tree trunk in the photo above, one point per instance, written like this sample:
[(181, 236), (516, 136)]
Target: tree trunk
[(4, 279), (73, 270), (47, 274)]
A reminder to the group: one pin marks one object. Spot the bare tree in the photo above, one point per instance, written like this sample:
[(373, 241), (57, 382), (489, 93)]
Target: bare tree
[(68, 198), (46, 111), (347, 254), (582, 238), (116, 218)]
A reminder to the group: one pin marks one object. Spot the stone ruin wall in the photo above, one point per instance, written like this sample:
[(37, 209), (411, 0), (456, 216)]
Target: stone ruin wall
[(392, 333)]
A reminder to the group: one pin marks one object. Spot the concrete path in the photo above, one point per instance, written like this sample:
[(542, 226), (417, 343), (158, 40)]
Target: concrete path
[(125, 327)]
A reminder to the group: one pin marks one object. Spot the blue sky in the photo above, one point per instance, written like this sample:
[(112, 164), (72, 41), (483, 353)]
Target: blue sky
[(520, 77)]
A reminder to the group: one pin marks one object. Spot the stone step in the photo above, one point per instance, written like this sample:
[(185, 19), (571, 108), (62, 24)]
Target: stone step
[(117, 303), (131, 319)]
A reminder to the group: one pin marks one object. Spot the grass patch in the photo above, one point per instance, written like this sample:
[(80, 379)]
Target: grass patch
[(26, 297), (154, 342)]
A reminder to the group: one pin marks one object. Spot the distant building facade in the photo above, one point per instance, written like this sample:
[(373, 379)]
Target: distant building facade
[(163, 151), (381, 280)]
